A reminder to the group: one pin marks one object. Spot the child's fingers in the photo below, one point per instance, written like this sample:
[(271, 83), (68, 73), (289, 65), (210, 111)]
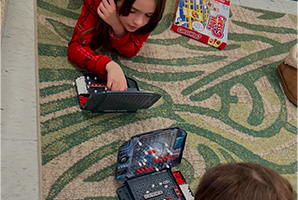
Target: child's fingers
[(112, 3), (116, 86), (104, 10), (106, 4), (109, 84), (120, 87), (101, 11)]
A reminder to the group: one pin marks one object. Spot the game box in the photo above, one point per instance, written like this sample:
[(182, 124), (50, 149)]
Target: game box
[(203, 20), (145, 166), (94, 96)]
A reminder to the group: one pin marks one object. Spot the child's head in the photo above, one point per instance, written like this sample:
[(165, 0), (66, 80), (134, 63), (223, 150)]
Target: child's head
[(140, 15), (243, 181)]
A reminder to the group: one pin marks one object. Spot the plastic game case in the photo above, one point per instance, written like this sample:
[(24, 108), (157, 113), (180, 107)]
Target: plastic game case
[(145, 166), (94, 96)]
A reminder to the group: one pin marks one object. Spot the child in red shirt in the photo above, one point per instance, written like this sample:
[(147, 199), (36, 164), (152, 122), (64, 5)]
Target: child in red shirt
[(104, 25)]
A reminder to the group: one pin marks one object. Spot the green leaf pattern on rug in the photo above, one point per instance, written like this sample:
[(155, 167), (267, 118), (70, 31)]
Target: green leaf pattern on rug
[(266, 14), (80, 166), (230, 101), (102, 174)]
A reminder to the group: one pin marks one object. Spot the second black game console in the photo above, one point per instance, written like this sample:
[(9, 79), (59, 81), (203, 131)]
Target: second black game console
[(94, 96), (145, 166)]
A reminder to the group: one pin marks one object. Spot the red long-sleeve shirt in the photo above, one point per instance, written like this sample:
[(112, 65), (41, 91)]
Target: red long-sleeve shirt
[(81, 54)]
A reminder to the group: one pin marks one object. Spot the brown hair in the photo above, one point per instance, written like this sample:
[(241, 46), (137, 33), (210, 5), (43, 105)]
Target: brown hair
[(101, 39), (243, 181)]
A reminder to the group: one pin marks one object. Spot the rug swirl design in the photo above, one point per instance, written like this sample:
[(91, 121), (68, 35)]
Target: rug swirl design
[(230, 102)]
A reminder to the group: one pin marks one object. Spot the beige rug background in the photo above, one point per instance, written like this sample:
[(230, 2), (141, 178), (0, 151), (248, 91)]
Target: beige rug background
[(229, 102)]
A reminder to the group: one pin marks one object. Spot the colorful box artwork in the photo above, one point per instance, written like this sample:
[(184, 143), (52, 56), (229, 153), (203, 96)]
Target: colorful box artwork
[(203, 20)]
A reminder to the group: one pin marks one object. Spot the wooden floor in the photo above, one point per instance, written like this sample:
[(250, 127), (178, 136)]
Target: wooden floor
[(19, 160)]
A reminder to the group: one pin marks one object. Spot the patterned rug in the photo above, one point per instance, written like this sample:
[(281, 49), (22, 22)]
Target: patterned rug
[(229, 102)]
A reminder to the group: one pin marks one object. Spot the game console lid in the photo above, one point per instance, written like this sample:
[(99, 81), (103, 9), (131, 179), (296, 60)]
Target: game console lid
[(94, 95), (150, 152)]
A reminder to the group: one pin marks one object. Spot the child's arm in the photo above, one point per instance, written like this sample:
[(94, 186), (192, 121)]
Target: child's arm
[(81, 54), (116, 79), (126, 43), (107, 10)]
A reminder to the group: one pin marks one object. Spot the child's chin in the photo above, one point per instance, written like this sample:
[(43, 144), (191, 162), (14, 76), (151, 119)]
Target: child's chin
[(131, 31)]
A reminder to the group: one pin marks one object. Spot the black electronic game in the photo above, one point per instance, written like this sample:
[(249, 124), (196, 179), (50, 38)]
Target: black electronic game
[(94, 96), (145, 162)]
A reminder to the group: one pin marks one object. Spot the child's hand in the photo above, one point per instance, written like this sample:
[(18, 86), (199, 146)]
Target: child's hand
[(115, 79), (107, 10)]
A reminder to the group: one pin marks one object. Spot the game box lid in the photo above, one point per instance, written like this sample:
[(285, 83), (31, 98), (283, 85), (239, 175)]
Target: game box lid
[(203, 20), (149, 152), (94, 96)]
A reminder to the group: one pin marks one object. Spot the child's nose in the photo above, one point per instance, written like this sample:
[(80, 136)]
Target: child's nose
[(139, 21)]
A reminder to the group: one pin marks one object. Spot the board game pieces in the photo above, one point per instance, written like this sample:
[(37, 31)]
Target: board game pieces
[(145, 162)]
